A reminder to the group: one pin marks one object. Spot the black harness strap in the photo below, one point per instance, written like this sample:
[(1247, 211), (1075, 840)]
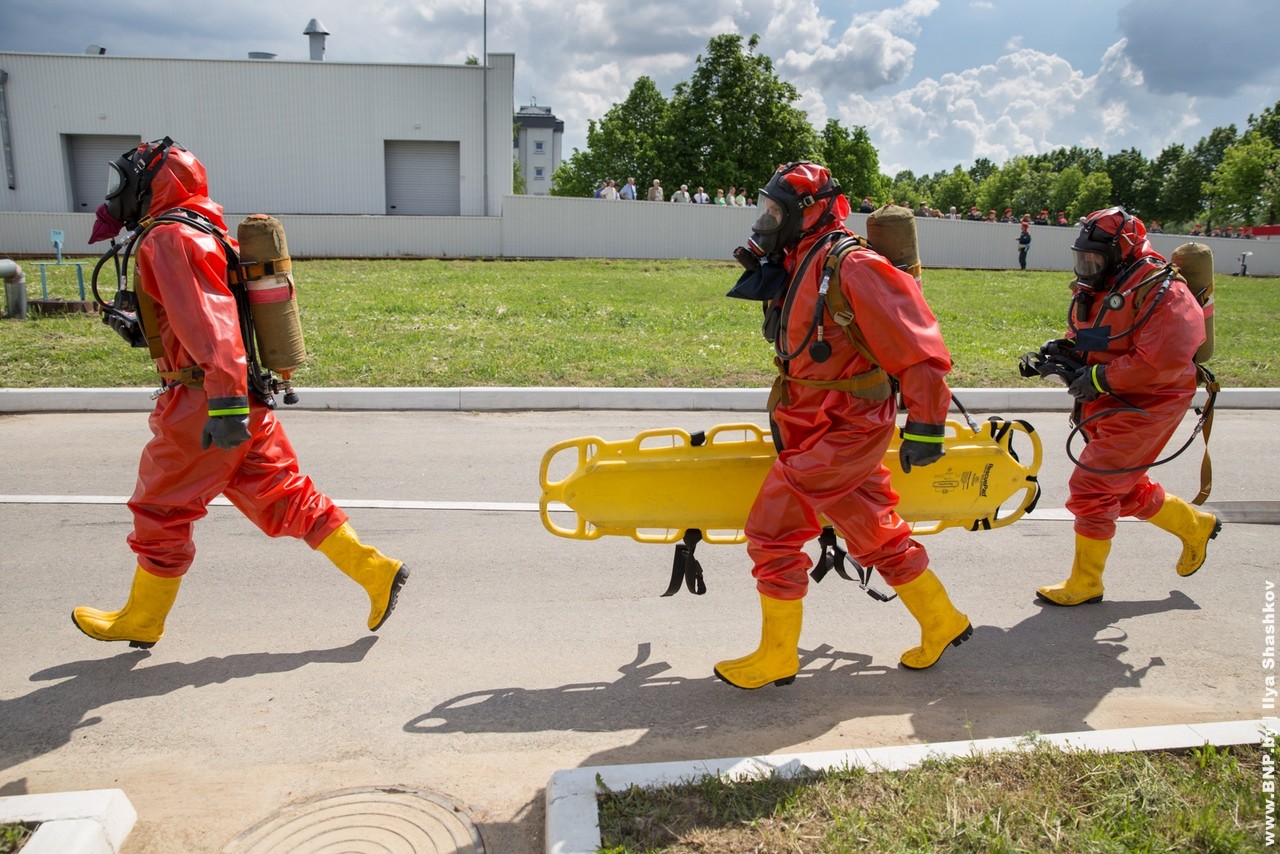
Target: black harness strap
[(832, 559)]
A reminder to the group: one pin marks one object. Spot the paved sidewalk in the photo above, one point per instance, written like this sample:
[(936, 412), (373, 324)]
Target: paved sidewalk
[(515, 654)]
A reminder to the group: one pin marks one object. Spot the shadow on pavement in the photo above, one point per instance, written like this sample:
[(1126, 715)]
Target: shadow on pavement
[(45, 719), (1046, 674)]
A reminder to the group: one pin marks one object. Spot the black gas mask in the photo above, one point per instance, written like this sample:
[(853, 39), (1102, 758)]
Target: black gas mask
[(129, 184), (1096, 252), (783, 201)]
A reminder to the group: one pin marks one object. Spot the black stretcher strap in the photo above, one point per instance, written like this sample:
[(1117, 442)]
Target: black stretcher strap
[(833, 558), (685, 568)]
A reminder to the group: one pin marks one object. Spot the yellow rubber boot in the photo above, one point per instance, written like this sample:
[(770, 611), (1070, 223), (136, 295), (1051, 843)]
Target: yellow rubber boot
[(1194, 527), (141, 620), (940, 623), (379, 575), (1084, 586), (778, 658)]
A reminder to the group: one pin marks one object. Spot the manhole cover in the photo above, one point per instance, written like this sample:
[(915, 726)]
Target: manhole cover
[(383, 820)]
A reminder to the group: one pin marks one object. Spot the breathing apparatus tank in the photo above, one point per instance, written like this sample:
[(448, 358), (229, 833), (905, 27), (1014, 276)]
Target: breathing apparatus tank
[(891, 230), (273, 299), (1195, 261)]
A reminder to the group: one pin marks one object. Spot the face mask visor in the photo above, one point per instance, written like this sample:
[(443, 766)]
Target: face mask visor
[(771, 231), (1089, 265), (771, 218), (116, 179)]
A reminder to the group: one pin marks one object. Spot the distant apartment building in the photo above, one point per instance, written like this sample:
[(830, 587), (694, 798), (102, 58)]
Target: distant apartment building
[(537, 145)]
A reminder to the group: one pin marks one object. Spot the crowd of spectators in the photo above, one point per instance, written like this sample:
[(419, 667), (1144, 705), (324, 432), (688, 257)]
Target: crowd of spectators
[(608, 190), (1044, 217)]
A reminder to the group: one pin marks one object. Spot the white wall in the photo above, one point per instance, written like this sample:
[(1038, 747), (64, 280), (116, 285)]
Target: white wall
[(555, 227)]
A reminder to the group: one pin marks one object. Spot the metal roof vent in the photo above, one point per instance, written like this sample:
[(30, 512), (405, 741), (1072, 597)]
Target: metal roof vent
[(261, 54), (316, 33)]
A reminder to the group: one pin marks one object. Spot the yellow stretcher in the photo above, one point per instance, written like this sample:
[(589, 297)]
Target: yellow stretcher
[(668, 485)]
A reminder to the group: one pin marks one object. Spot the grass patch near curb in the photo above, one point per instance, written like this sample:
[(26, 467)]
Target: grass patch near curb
[(601, 323), (14, 836), (1044, 798)]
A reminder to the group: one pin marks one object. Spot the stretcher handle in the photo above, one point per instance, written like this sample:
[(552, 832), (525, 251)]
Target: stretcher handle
[(555, 491), (581, 445)]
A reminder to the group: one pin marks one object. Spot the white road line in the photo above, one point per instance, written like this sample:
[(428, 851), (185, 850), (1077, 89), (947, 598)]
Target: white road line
[(361, 503), (1039, 515)]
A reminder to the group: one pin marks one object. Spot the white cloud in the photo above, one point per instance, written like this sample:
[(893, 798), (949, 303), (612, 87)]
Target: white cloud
[(874, 51)]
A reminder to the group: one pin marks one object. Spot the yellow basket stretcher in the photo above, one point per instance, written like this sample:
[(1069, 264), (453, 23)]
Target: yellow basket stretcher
[(671, 486)]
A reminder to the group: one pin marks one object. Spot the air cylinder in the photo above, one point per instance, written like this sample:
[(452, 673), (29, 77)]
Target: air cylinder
[(273, 298), (1195, 261), (891, 230)]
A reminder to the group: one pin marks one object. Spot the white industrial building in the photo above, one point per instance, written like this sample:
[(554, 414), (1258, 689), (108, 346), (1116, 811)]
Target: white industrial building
[(290, 137)]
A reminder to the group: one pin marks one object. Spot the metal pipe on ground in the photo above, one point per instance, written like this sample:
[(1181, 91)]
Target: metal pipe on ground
[(15, 289)]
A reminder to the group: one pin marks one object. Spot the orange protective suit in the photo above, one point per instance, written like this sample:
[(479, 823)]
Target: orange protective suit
[(185, 272), (832, 441), (1149, 367)]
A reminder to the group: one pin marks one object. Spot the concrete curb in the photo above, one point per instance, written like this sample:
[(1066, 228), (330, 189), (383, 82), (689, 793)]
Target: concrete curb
[(573, 825), (500, 399), (90, 822)]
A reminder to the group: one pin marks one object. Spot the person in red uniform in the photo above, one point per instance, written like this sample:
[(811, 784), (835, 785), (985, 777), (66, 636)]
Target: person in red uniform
[(211, 434), (1135, 327), (835, 419)]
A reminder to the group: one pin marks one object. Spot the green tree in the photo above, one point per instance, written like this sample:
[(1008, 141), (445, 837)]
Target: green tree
[(904, 190), (629, 141), (1086, 159), (1131, 184), (1266, 125), (852, 161), (1271, 195), (1094, 195), (1035, 192), (1066, 187), (1168, 208), (734, 121), (999, 189), (955, 190), (518, 184), (981, 170), (1184, 192), (1239, 183)]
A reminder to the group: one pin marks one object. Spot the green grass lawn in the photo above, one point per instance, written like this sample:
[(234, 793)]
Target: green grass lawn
[(600, 323), (1044, 799)]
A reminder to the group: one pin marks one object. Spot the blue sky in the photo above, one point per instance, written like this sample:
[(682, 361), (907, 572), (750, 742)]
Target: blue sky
[(936, 82)]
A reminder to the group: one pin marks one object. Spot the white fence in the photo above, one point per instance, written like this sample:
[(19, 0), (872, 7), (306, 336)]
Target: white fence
[(552, 227)]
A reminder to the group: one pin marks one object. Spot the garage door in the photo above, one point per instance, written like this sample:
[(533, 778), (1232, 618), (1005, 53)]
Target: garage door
[(423, 178), (89, 158)]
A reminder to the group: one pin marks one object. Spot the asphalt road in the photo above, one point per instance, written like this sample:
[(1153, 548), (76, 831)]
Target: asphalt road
[(514, 653)]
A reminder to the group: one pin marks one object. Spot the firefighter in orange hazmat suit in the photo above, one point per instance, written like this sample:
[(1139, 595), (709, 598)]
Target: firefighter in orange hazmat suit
[(211, 433), (1134, 327), (835, 416)]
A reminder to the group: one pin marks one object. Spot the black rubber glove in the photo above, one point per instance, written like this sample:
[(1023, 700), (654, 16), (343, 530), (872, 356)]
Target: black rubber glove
[(1085, 386), (225, 431), (921, 444), (913, 453), (1060, 347), (1028, 364)]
